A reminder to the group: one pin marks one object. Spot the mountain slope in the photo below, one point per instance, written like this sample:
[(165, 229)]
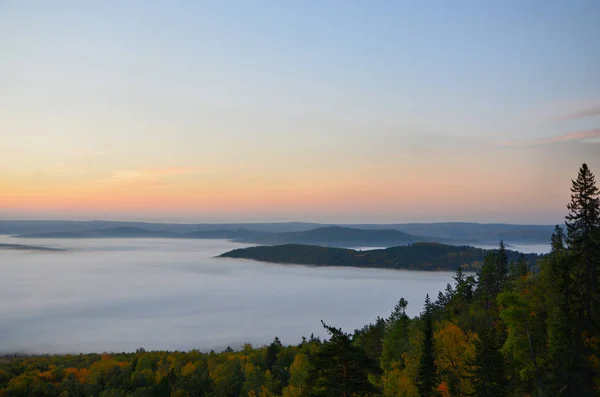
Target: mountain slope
[(336, 236)]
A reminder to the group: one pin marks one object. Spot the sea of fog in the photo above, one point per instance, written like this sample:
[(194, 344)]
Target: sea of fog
[(122, 294)]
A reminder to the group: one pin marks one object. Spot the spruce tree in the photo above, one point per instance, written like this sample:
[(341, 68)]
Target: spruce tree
[(561, 334), (583, 259), (395, 341), (487, 281), (399, 311), (271, 354), (501, 265), (584, 209), (583, 223), (519, 268), (558, 239), (489, 367), (427, 370), (340, 368)]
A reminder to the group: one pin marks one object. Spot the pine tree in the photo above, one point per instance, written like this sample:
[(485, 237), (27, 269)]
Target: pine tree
[(464, 285), (561, 335), (340, 368), (487, 281), (489, 373), (583, 223), (584, 209), (583, 258), (501, 265), (395, 341), (558, 239), (427, 370), (271, 354), (399, 311), (519, 268)]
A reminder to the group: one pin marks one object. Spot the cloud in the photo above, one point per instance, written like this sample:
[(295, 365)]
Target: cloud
[(152, 175), (586, 136), (590, 111)]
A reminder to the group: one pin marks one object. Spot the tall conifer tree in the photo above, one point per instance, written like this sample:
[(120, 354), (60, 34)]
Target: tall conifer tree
[(427, 371)]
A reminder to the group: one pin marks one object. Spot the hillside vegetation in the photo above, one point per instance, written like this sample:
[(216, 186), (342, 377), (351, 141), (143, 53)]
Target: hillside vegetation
[(417, 256)]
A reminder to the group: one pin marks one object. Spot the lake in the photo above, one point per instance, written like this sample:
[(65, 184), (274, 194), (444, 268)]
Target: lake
[(172, 294)]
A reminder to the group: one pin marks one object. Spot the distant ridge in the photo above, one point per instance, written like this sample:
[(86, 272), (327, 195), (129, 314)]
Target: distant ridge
[(292, 232), (21, 247), (336, 236), (114, 232)]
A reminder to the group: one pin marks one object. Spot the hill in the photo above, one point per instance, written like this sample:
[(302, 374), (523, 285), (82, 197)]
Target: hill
[(335, 236), (472, 233), (114, 232), (21, 247), (262, 233), (417, 256)]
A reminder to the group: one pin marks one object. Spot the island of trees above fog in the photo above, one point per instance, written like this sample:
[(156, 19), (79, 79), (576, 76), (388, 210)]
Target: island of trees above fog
[(417, 256), (504, 332)]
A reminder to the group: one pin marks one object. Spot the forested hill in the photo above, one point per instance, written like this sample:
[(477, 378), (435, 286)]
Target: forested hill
[(417, 256), (335, 236)]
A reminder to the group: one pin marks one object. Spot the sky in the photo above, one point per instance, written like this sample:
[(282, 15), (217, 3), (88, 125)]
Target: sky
[(328, 111)]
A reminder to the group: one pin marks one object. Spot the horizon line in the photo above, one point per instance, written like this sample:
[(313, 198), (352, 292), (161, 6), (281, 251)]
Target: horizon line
[(281, 222)]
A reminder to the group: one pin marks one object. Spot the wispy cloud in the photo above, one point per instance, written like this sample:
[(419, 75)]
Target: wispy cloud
[(152, 175), (587, 135), (590, 111)]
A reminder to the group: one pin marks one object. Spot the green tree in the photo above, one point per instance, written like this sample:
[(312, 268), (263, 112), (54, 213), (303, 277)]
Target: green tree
[(519, 268), (583, 223), (489, 366), (340, 368), (583, 239), (561, 356), (487, 281), (395, 340), (501, 265), (426, 377), (370, 338)]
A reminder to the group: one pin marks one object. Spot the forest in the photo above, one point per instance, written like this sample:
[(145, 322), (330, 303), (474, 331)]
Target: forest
[(416, 256), (505, 331)]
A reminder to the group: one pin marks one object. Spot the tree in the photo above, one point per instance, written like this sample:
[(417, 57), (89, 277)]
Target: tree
[(399, 311), (370, 338), (558, 239), (522, 345), (579, 271), (488, 375), (227, 378), (271, 355), (427, 372), (455, 352), (487, 283), (501, 265), (561, 355), (340, 368), (584, 209), (583, 225), (299, 375), (395, 340), (519, 268)]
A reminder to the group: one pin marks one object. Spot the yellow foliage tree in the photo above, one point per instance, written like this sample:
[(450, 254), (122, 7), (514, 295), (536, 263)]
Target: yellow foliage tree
[(188, 369), (398, 383), (455, 349)]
